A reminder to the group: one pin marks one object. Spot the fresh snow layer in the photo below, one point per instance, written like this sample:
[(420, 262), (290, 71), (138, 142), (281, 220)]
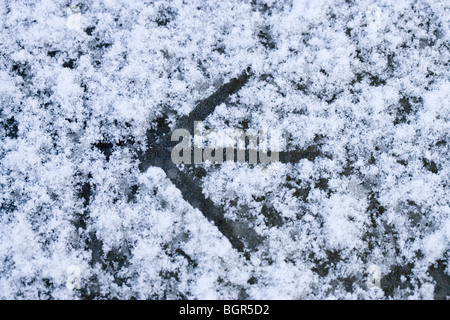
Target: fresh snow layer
[(366, 82)]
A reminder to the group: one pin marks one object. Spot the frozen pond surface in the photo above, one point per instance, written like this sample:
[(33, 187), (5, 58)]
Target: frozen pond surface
[(92, 207)]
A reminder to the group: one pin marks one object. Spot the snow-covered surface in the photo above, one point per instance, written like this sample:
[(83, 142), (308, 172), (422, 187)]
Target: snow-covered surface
[(367, 82)]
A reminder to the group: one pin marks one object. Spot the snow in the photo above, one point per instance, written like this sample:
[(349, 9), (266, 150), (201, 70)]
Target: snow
[(365, 82)]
